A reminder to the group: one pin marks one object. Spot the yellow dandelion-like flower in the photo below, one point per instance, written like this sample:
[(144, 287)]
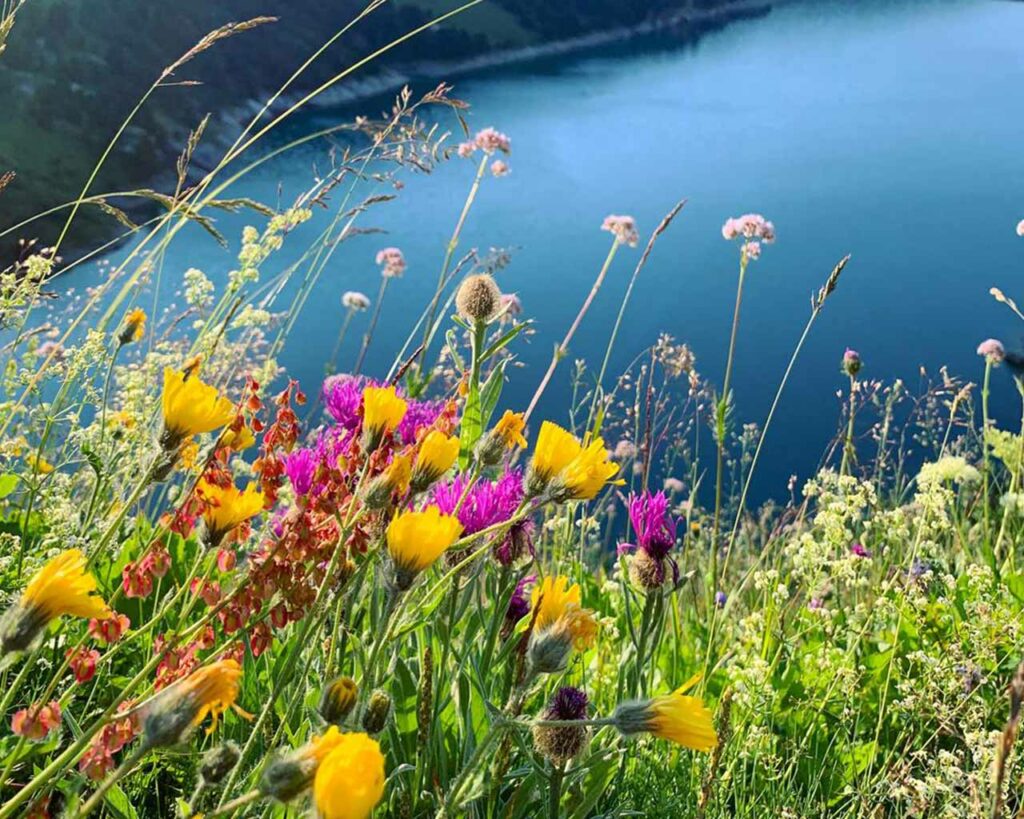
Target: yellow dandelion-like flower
[(561, 624), (416, 539), (238, 441), (349, 781), (134, 326), (383, 410), (227, 507), (191, 407), (555, 450), (40, 465), (676, 717), (510, 429), (175, 711), (437, 454), (573, 471), (556, 597)]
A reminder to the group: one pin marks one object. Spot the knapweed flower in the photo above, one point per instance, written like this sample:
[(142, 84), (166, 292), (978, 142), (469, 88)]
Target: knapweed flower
[(300, 466), (354, 300), (561, 623), (416, 539), (519, 603), (506, 435), (180, 707), (191, 407), (289, 775), (851, 363), (350, 780), (486, 503), (993, 351), (226, 507), (565, 468), (562, 743), (655, 532), (623, 228), (490, 140), (435, 456), (383, 411), (675, 717), (36, 722), (394, 480), (478, 298), (62, 586), (392, 262), (338, 700), (134, 327), (859, 550)]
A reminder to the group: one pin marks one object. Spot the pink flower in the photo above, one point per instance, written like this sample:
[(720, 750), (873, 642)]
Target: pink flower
[(749, 226), (859, 550), (466, 149), (992, 349), (624, 228), (109, 630), (752, 250), (392, 260), (674, 486), (37, 723), (489, 140), (511, 305), (499, 168), (83, 662), (1020, 228)]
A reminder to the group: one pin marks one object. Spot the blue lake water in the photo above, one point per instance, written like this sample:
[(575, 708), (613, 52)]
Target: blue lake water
[(893, 131)]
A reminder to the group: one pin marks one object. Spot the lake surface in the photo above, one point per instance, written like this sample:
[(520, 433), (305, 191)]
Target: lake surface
[(893, 131)]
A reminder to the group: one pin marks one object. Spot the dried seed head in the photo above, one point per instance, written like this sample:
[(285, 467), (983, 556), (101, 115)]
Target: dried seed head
[(478, 298), (218, 762)]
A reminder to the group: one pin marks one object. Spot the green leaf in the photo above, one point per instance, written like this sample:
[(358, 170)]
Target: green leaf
[(8, 482), (117, 803)]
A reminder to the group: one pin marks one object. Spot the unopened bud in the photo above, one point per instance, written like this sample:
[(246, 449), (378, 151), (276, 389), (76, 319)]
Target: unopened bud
[(377, 711)]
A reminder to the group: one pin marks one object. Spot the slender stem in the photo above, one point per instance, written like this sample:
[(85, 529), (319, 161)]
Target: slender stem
[(984, 445), (555, 790), (849, 455), (239, 802), (373, 324), (126, 767)]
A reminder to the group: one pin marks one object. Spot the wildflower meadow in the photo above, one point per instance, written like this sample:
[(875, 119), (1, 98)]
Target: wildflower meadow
[(399, 593)]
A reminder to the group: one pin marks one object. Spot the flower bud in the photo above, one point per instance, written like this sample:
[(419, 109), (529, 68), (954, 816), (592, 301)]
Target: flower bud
[(851, 362), (377, 711), (218, 762), (338, 700), (646, 571), (549, 651), (478, 298)]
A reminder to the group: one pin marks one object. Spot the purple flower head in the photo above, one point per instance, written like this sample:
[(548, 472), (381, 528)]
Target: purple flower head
[(342, 395), (419, 415), (815, 603), (859, 550), (301, 466), (568, 703), (517, 544), (519, 603), (655, 528), (851, 362), (720, 599), (487, 502)]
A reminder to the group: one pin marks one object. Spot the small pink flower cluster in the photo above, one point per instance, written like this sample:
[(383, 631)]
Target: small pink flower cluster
[(993, 350), (137, 578), (624, 228), (392, 260), (98, 759), (36, 722), (752, 227), (488, 140), (500, 168)]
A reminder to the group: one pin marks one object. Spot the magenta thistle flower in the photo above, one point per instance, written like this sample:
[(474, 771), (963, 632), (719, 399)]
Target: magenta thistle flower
[(418, 416), (487, 502), (519, 603), (301, 466), (568, 703), (655, 532), (343, 395), (859, 550), (851, 362)]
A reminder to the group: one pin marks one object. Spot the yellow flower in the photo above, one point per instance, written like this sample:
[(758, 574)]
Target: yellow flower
[(175, 711), (560, 611), (350, 780), (63, 586), (121, 418), (577, 472), (416, 539), (227, 507), (510, 429), (192, 407), (398, 473), (437, 454), (383, 410), (134, 326), (243, 439), (319, 747), (675, 717), (40, 465)]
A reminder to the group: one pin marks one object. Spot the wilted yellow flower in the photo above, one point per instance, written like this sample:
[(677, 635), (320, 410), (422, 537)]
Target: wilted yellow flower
[(559, 605), (191, 407), (568, 469), (134, 326), (416, 539), (227, 507), (383, 410), (350, 780), (175, 711), (675, 717), (437, 454), (510, 429), (62, 586)]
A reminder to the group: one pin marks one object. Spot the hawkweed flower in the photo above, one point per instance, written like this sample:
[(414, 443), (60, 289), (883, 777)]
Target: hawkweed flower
[(226, 508), (416, 539), (623, 228), (993, 351), (562, 743), (394, 480), (383, 411), (478, 298), (239, 439), (218, 762), (851, 363), (375, 717), (354, 300), (179, 708), (561, 624), (338, 700), (62, 586), (134, 327), (506, 435), (349, 782), (675, 717), (289, 775), (655, 532), (436, 455), (190, 408), (565, 469)]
